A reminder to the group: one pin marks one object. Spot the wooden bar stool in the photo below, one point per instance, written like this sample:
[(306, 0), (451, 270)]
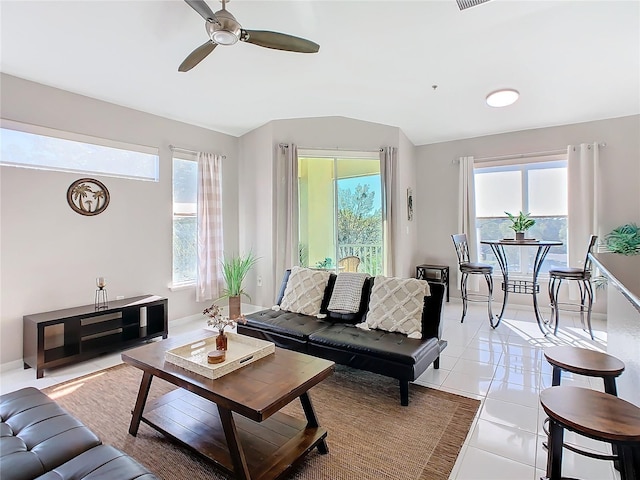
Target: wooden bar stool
[(585, 362), (596, 415)]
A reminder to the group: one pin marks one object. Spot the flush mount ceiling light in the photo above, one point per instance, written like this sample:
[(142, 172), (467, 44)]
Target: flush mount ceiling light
[(502, 98)]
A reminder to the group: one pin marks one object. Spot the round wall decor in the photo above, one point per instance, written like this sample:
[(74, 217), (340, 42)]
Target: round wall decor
[(88, 196)]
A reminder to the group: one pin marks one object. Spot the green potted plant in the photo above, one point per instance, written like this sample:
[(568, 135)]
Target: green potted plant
[(520, 223), (234, 271), (624, 239)]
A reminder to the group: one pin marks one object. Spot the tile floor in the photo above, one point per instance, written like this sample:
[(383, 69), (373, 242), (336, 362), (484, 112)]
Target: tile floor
[(504, 368)]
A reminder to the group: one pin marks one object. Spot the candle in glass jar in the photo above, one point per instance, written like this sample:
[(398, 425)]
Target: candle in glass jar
[(100, 282)]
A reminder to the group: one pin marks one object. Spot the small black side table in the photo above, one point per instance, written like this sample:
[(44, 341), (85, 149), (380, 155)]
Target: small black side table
[(438, 273)]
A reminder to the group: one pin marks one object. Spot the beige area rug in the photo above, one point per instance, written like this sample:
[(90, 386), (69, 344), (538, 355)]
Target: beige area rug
[(370, 436)]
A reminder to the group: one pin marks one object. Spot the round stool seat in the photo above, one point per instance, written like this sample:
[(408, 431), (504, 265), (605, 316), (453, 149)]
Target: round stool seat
[(591, 413), (584, 361)]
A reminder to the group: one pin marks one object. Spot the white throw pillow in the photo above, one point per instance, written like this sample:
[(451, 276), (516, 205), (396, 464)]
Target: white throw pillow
[(305, 290), (347, 292), (396, 305)]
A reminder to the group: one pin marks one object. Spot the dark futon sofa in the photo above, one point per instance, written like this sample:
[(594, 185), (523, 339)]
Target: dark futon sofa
[(336, 338), (40, 440)]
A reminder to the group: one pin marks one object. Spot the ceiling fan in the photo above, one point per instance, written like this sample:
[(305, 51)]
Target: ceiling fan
[(224, 29)]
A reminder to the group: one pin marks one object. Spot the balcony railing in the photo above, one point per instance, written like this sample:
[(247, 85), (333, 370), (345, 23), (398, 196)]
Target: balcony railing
[(370, 255)]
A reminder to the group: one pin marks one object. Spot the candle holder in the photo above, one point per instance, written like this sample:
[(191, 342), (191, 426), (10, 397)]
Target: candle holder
[(101, 300)]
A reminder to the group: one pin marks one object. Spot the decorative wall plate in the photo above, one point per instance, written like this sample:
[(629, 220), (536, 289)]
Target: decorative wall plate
[(88, 196)]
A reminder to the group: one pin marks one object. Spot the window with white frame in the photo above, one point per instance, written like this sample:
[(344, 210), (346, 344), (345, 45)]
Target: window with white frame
[(30, 146), (533, 185), (185, 178)]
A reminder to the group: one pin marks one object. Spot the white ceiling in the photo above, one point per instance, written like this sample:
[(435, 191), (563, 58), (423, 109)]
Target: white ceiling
[(572, 61)]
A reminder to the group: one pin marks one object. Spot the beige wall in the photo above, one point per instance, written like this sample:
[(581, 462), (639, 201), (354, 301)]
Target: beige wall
[(406, 237), (50, 255), (437, 176)]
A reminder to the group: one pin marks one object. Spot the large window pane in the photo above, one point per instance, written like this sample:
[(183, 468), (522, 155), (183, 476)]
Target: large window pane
[(360, 221), (185, 177), (184, 249), (498, 192), (317, 212), (22, 149), (539, 188), (548, 192)]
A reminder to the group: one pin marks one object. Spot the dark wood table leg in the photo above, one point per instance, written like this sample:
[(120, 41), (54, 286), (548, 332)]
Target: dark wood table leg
[(240, 468), (145, 384), (312, 420), (554, 451)]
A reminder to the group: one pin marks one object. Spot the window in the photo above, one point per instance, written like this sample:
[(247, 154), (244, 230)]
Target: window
[(340, 205), (42, 148), (185, 177), (538, 187)]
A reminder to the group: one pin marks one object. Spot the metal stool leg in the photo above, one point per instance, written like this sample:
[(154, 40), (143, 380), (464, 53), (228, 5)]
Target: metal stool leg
[(629, 462), (489, 280), (557, 283), (557, 373), (463, 293), (589, 290)]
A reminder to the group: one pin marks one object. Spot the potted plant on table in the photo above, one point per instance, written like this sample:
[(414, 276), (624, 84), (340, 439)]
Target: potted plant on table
[(234, 271), (520, 223)]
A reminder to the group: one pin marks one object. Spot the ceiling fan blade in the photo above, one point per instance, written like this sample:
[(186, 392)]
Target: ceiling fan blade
[(202, 8), (279, 41), (197, 56)]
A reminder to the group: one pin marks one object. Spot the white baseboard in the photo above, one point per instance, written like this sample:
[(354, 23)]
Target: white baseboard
[(13, 365)]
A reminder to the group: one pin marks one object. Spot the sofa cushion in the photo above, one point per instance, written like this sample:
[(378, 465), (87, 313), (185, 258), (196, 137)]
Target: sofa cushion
[(38, 435), (396, 305), (395, 347), (285, 323), (100, 463), (347, 292), (305, 291)]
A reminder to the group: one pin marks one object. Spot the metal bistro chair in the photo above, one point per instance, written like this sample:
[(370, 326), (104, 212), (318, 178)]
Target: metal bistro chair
[(467, 267), (583, 277)]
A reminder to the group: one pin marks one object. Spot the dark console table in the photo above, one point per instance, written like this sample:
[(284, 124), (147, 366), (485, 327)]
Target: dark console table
[(62, 337)]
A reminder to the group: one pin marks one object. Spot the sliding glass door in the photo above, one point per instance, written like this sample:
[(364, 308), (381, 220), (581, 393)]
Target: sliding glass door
[(340, 212)]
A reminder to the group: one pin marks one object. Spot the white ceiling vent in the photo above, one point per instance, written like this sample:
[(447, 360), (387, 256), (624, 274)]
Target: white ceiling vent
[(464, 4)]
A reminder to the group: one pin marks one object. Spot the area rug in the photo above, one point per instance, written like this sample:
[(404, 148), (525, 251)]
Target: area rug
[(370, 436)]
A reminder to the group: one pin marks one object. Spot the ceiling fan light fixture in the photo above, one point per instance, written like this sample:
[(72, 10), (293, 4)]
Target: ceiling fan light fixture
[(223, 37), (503, 97)]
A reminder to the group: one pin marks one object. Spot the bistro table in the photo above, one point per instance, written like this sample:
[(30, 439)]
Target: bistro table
[(531, 287)]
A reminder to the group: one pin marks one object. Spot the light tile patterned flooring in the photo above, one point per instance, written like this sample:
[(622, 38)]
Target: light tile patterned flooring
[(504, 368)]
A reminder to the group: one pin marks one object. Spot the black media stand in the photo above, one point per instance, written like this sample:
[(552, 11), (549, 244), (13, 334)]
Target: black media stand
[(63, 337)]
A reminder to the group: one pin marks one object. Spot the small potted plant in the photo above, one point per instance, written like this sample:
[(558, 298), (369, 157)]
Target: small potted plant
[(520, 223), (234, 271)]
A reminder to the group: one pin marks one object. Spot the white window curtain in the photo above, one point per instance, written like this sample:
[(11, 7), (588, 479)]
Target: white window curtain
[(388, 162), (209, 280), (583, 202), (286, 231), (467, 216)]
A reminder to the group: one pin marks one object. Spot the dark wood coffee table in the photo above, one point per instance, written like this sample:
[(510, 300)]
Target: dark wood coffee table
[(216, 418)]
